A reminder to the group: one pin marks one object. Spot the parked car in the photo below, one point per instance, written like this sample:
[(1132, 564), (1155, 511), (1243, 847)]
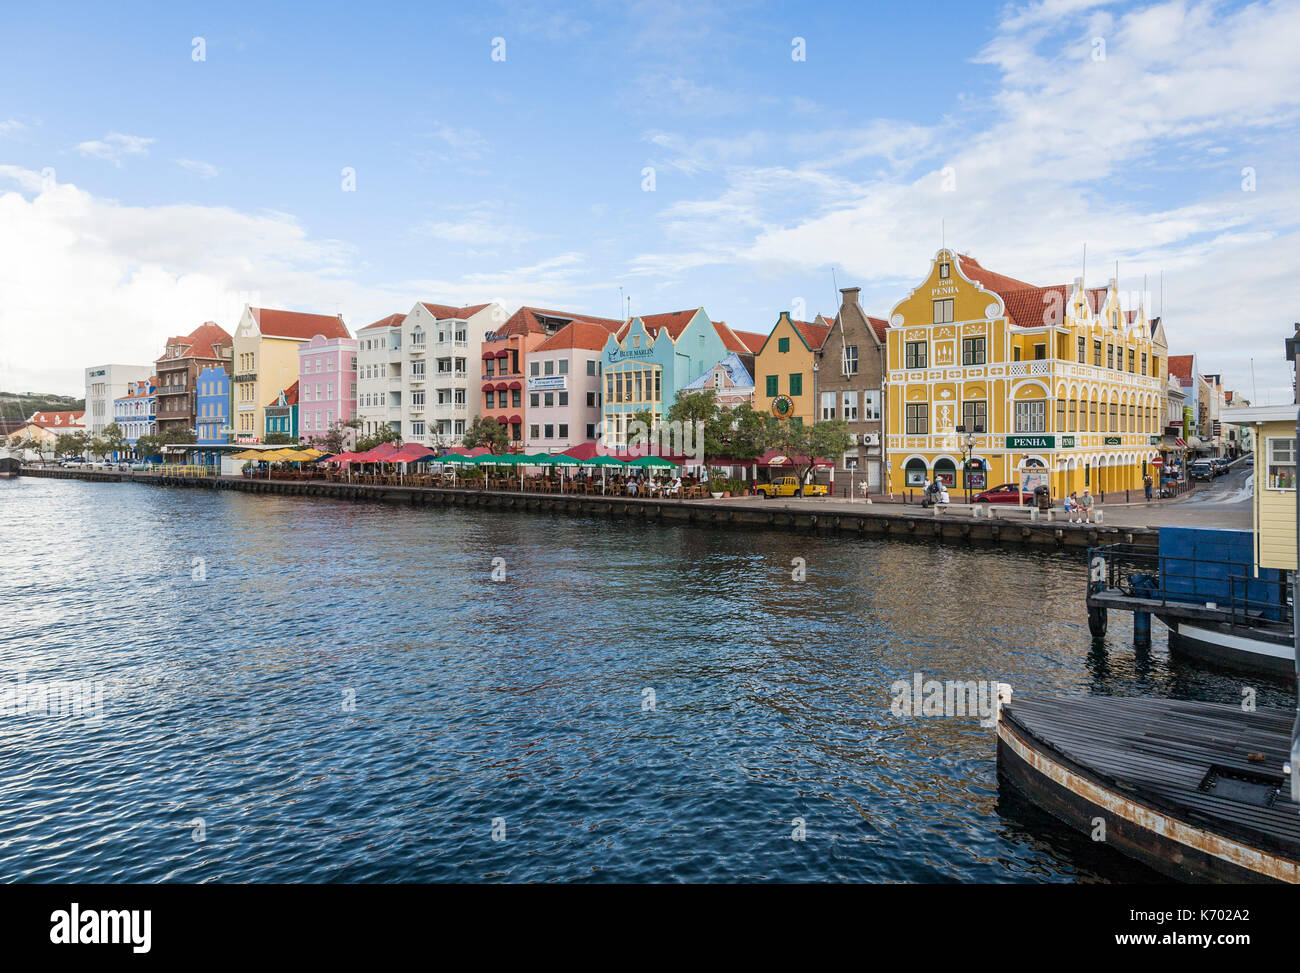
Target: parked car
[(1201, 470), (788, 486), (1006, 493)]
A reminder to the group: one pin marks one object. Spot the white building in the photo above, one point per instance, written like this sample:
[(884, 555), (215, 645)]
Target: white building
[(413, 371), (104, 384)]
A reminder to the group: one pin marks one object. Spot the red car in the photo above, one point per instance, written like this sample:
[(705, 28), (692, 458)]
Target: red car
[(1006, 493)]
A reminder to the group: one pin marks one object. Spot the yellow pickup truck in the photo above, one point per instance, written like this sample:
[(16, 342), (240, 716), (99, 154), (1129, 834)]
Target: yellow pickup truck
[(788, 486)]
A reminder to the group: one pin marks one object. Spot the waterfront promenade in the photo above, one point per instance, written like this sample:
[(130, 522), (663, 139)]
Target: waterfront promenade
[(998, 525)]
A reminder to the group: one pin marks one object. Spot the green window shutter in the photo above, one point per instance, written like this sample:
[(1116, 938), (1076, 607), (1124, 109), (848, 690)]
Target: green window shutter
[(771, 386), (782, 344), (796, 384)]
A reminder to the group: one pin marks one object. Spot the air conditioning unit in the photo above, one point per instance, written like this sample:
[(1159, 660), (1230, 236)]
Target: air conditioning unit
[(870, 439)]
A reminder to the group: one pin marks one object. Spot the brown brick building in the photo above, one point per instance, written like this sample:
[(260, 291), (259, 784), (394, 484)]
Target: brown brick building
[(850, 369), (178, 373)]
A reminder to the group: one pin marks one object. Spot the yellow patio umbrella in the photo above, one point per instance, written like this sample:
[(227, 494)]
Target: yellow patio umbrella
[(315, 453), (274, 455), (248, 454), (296, 455)]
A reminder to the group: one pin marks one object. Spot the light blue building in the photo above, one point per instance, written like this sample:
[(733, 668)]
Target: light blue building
[(648, 360), (212, 413), (136, 413)]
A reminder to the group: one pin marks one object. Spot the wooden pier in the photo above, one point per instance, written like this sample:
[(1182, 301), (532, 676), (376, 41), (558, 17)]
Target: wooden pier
[(803, 516), (1196, 791)]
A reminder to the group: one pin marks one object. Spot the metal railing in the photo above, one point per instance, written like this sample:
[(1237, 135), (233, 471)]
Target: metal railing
[(1179, 581)]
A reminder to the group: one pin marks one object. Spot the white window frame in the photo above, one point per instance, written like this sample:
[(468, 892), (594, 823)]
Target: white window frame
[(1271, 461)]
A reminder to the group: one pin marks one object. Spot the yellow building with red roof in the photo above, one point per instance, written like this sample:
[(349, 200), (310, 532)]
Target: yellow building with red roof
[(784, 376), (989, 377)]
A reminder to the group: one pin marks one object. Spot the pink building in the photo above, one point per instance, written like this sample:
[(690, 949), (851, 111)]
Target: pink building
[(327, 384), (563, 388)]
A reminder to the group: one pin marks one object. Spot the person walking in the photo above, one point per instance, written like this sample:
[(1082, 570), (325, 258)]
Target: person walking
[(1085, 505), (1146, 485)]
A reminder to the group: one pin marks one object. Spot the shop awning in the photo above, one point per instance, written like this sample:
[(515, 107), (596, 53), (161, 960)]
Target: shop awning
[(516, 385), (516, 418)]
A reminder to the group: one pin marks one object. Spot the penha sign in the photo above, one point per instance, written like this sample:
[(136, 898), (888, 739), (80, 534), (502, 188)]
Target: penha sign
[(1031, 442)]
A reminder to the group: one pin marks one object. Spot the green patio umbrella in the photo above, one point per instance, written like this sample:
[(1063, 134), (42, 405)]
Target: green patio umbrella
[(652, 463), (604, 462)]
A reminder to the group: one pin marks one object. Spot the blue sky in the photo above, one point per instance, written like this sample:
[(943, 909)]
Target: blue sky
[(143, 192)]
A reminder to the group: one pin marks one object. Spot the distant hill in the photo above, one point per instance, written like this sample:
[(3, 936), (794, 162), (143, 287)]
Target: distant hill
[(16, 405)]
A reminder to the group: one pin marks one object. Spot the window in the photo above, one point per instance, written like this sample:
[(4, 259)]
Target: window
[(591, 400), (1110, 355), (1060, 415), (782, 344), (871, 405), (1083, 351), (850, 361), (771, 386), (918, 419), (1096, 354), (1144, 363), (591, 430), (851, 406), (548, 431), (564, 366), (972, 351), (1281, 463), (1031, 417), (944, 270), (564, 430), (548, 399), (1040, 352), (916, 354), (975, 415), (1092, 417), (796, 383), (534, 366), (828, 406), (533, 398), (943, 311), (1015, 353), (1114, 417), (534, 432), (1131, 355), (548, 368), (564, 398), (591, 366)]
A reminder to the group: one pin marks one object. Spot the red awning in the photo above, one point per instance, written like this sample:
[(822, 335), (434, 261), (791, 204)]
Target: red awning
[(489, 387), (516, 418), (1180, 443), (516, 385), (502, 419), (379, 454), (489, 354), (502, 353), (502, 386)]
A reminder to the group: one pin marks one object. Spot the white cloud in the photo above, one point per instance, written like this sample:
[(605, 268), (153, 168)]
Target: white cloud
[(11, 127), (114, 146), (1138, 155), (203, 169), (88, 280)]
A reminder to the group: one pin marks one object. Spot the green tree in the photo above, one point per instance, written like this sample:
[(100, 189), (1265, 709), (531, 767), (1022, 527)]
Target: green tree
[(385, 434), (177, 434), (805, 442), (486, 431), (70, 444), (336, 438), (281, 439), (148, 446), (114, 440)]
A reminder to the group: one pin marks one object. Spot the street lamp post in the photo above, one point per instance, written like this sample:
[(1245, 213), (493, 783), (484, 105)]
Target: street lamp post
[(967, 449)]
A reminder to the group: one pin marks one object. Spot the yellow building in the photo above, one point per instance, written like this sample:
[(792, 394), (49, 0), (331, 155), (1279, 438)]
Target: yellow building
[(784, 373), (1273, 430), (266, 361), (1058, 380)]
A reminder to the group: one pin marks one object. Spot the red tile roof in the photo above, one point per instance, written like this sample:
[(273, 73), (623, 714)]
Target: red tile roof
[(294, 324), (1180, 367), (290, 396), (879, 326), (674, 322), (392, 321), (525, 321), (989, 279), (60, 420), (444, 311), (202, 342), (576, 334), (813, 332)]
